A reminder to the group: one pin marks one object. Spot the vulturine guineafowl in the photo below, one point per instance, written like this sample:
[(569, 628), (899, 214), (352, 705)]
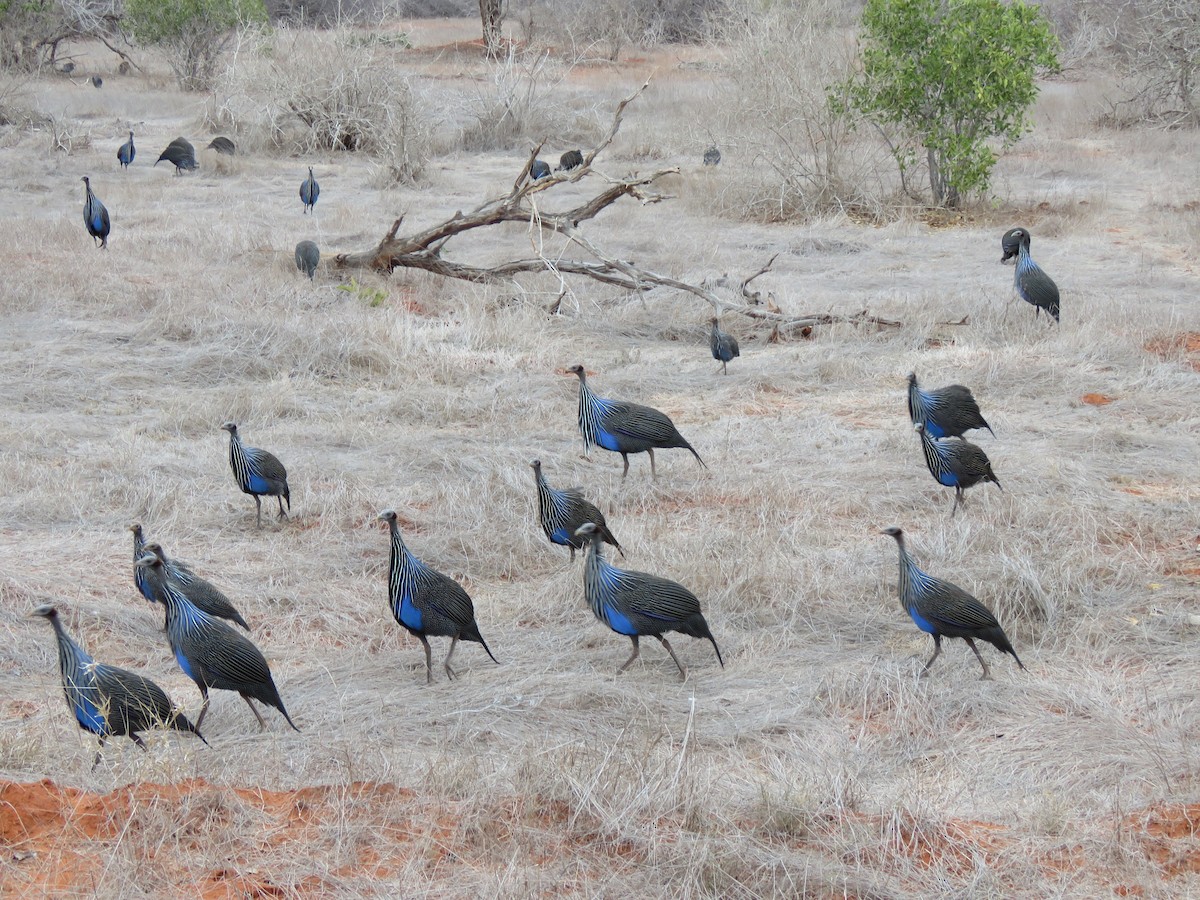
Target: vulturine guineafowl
[(309, 192), (624, 427), (946, 411), (209, 651), (956, 463), (1032, 284), (126, 152), (95, 216), (572, 159), (636, 604), (712, 156), (258, 473), (724, 346), (181, 154), (203, 594), (539, 170), (222, 145), (942, 609), (308, 255), (109, 701), (427, 603), (562, 511)]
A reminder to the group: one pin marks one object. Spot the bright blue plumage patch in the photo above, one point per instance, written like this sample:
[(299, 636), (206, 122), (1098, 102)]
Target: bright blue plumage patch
[(933, 429), (618, 622), (920, 621), (89, 717), (607, 441), (949, 479), (258, 485), (183, 664), (410, 616), (560, 536)]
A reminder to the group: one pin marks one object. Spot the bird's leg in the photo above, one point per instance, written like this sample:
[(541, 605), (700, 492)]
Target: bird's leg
[(987, 675), (572, 549), (262, 726), (137, 740), (96, 761), (683, 672), (449, 671), (203, 706), (937, 651), (957, 495), (282, 514), (258, 510), (632, 656), (428, 660), (653, 472), (625, 456)]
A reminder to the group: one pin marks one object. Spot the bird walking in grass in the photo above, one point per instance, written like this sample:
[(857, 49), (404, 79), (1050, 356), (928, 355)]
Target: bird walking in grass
[(724, 346), (126, 152), (956, 463), (946, 411), (624, 427), (307, 257), (1032, 284), (636, 604), (309, 192), (427, 603), (561, 512), (258, 473), (210, 652), (109, 701), (203, 594), (222, 145), (181, 154), (539, 170), (942, 609), (571, 159), (95, 216)]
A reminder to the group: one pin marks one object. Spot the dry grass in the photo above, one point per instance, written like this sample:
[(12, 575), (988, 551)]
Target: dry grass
[(817, 763)]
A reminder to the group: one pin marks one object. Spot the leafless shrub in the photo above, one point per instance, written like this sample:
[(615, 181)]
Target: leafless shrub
[(1158, 44)]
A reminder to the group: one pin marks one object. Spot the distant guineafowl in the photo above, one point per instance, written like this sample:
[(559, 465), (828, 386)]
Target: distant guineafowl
[(624, 427), (210, 652), (307, 257), (539, 170), (181, 154), (108, 701), (222, 145), (1032, 284), (95, 216), (427, 603), (309, 191), (636, 604), (126, 152), (956, 463), (258, 473), (942, 609), (563, 511), (724, 346), (712, 156), (97, 82), (572, 159), (946, 411)]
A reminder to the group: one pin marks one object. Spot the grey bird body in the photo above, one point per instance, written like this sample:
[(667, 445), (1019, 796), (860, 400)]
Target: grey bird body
[(942, 609), (309, 192), (724, 346), (946, 411), (539, 169), (956, 463), (181, 154), (624, 427), (572, 159), (562, 512), (109, 701), (258, 473), (222, 145), (712, 156), (427, 603), (95, 216), (209, 651), (126, 152), (308, 255), (637, 604), (1031, 284)]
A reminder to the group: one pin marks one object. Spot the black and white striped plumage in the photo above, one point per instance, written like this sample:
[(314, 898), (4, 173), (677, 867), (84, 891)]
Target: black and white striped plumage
[(109, 701), (946, 411), (637, 604), (624, 427), (942, 609), (724, 346), (309, 192), (95, 216), (956, 463), (126, 152), (562, 511), (427, 603), (203, 594), (209, 651), (1032, 284), (258, 473)]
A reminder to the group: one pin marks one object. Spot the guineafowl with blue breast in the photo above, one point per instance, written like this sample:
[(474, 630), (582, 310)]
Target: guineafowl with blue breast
[(637, 604), (209, 651), (724, 346), (109, 701), (1032, 284), (946, 411), (539, 170), (427, 603), (309, 192), (95, 216), (126, 152), (624, 427), (203, 594), (942, 609), (563, 511), (956, 463), (258, 473)]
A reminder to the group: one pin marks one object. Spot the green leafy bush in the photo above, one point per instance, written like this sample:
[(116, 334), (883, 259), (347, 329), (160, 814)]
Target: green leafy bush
[(194, 32)]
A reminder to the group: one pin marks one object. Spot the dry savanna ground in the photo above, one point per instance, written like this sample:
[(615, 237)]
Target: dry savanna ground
[(817, 763)]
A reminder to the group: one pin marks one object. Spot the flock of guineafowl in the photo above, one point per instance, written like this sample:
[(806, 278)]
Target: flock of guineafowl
[(109, 701)]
